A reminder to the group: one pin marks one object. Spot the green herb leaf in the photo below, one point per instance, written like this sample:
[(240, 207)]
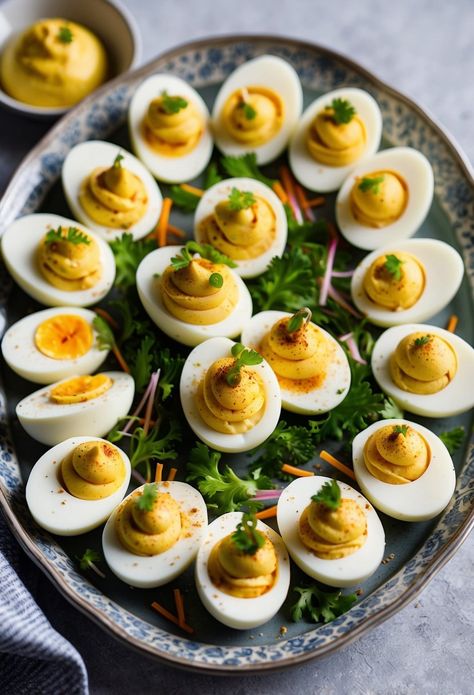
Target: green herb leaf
[(371, 184), (183, 199), (240, 200), (212, 176), (73, 236), (184, 258), (88, 558), (393, 265), (343, 111), (172, 104), (303, 316), (105, 337), (292, 444), (424, 340), (400, 429), (65, 35), (128, 255), (243, 357), (216, 280), (391, 411), (118, 161), (245, 166), (329, 495), (452, 439), (249, 111), (146, 499), (287, 284), (246, 537), (317, 606)]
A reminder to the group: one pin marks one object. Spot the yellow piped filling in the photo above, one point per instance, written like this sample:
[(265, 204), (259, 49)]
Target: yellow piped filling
[(172, 134), (396, 458), (267, 112), (332, 534), (383, 206), (424, 368), (68, 266), (93, 470), (393, 293)]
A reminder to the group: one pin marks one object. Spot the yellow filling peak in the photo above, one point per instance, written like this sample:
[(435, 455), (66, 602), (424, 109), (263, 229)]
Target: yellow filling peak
[(379, 198), (80, 389), (68, 265), (172, 134), (332, 534), (423, 363), (93, 470), (253, 115), (64, 337), (336, 144), (396, 454), (395, 284)]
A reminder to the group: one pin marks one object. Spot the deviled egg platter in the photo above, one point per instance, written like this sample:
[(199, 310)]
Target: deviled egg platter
[(230, 395), (243, 219), (57, 262), (169, 126), (311, 367), (336, 132), (110, 191), (257, 108), (404, 469), (401, 283), (75, 486), (330, 530), (193, 293)]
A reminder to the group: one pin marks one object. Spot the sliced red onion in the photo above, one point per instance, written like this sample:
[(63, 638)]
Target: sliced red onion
[(339, 299), (155, 377), (326, 283)]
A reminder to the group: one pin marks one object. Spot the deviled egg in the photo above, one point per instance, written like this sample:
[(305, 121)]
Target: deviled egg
[(230, 395), (243, 219), (386, 198), (425, 369), (56, 262), (169, 128), (110, 191), (53, 344), (311, 367), (331, 531), (401, 284), (257, 108), (334, 134), (154, 535), (192, 297), (76, 485), (404, 469), (242, 583)]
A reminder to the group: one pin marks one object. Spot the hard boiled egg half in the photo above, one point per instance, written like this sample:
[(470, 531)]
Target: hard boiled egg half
[(57, 262), (53, 344), (334, 134), (110, 191), (385, 199), (75, 486), (241, 590), (404, 469), (243, 219), (257, 108), (169, 128)]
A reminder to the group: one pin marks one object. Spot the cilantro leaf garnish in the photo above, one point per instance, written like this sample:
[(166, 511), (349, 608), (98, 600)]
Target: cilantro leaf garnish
[(300, 318), (320, 606), (246, 537), (216, 280), (184, 258), (329, 495), (73, 236), (424, 340), (249, 111), (147, 497), (371, 184), (452, 439), (400, 429), (128, 255), (172, 104), (292, 444), (118, 161), (393, 265), (65, 35), (287, 284), (343, 111), (240, 200), (243, 357), (245, 166)]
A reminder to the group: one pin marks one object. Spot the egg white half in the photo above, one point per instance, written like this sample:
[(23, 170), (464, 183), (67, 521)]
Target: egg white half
[(147, 572), (320, 177), (170, 169), (220, 191), (346, 571), (189, 334), (265, 71), (419, 500), (80, 163), (418, 174), (55, 509), (240, 613), (456, 398), (331, 392), (198, 362), (23, 357)]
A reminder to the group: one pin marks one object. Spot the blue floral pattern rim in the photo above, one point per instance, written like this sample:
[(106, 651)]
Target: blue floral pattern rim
[(405, 123)]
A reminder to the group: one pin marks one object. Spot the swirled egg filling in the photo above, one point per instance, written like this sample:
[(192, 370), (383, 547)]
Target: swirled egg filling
[(333, 142), (332, 534), (172, 125), (395, 280), (379, 198), (93, 470), (69, 259), (423, 363), (253, 115), (396, 454)]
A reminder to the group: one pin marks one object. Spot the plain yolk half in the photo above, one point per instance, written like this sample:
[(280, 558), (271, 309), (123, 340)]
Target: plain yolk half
[(64, 337)]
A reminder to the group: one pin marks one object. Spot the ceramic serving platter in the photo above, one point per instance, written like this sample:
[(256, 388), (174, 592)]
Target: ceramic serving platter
[(419, 549)]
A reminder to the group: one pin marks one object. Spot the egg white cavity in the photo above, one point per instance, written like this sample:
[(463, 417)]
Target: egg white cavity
[(146, 572), (320, 177), (55, 509), (195, 367), (419, 500), (189, 334), (335, 386), (170, 169), (235, 612), (417, 173), (456, 398), (221, 191), (20, 244), (440, 261), (80, 163), (265, 71), (23, 357), (344, 572)]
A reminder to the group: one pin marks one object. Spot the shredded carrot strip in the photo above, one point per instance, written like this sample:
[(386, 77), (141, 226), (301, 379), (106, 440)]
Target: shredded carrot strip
[(172, 474), (298, 472), (316, 202), (326, 456), (192, 189), (452, 323), (141, 421), (120, 359), (300, 197), (158, 472), (334, 234), (266, 513), (107, 317), (178, 602), (162, 225), (175, 231), (169, 616), (287, 181), (280, 191)]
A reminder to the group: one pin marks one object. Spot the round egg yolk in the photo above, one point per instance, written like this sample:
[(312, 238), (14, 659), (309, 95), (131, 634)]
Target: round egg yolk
[(80, 389), (336, 144), (299, 359), (332, 534), (93, 470), (53, 63), (423, 363), (395, 281), (64, 337), (150, 531), (241, 574), (253, 116), (70, 265), (189, 296), (379, 199), (230, 409), (396, 454), (240, 234), (172, 131), (114, 196)]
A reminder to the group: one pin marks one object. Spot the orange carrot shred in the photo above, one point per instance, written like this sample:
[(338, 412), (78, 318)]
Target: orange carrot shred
[(163, 222), (107, 317), (316, 202), (120, 359), (192, 189), (298, 472), (158, 472), (300, 197), (175, 231), (267, 513), (329, 458), (280, 191), (169, 616), (172, 474), (178, 602), (452, 323), (287, 181)]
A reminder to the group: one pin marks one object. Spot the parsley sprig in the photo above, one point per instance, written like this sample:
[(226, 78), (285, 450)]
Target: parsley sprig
[(146, 499), (240, 200), (246, 537), (249, 111), (342, 111), (72, 235), (292, 444), (329, 495), (393, 265), (400, 429), (184, 258), (243, 357), (128, 255), (318, 606), (371, 184), (171, 104), (65, 35), (245, 166), (424, 340), (452, 439)]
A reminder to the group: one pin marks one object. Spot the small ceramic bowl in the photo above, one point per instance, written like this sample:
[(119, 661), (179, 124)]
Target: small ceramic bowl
[(109, 20)]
